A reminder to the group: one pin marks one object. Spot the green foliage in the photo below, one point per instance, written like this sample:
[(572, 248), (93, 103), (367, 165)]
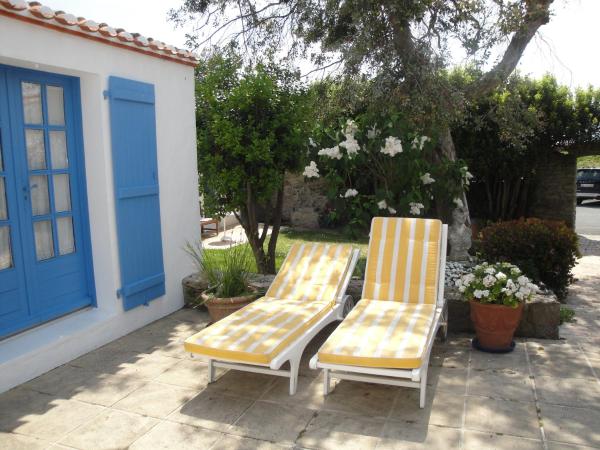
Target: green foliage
[(252, 128), (500, 284), (252, 125), (380, 166), (227, 273), (545, 250), (507, 133), (567, 315), (588, 161), (402, 48)]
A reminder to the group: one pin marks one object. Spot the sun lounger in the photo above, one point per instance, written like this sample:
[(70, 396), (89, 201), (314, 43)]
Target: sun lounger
[(307, 294), (387, 337)]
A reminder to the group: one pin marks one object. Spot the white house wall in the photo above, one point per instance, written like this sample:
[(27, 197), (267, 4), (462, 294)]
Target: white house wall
[(40, 349)]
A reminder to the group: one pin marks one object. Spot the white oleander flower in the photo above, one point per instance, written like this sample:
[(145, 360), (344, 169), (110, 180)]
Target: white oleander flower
[(311, 171), (458, 202), (351, 193), (501, 276), (467, 176), (477, 293), (490, 270), (351, 145), (373, 132), (333, 152), (382, 204), (515, 271), (391, 210), (392, 147), (311, 142), (420, 142), (426, 179), (415, 208), (523, 280), (462, 289), (485, 293), (351, 128)]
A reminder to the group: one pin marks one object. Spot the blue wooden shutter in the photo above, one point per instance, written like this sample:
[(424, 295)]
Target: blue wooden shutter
[(133, 135)]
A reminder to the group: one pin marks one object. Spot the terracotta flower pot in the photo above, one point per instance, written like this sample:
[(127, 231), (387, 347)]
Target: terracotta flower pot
[(219, 308), (495, 325)]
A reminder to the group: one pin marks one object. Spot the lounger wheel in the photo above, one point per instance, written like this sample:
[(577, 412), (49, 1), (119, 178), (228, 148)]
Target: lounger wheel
[(348, 306)]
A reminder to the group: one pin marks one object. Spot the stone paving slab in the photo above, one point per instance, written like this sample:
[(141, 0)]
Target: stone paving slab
[(143, 392)]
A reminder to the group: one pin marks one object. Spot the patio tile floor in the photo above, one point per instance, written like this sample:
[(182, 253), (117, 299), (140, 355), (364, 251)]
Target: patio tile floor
[(144, 392)]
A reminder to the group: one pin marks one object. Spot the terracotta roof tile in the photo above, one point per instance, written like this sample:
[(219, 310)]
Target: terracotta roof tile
[(35, 12)]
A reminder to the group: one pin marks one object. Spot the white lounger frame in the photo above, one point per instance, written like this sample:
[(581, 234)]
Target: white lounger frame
[(292, 353), (415, 378)]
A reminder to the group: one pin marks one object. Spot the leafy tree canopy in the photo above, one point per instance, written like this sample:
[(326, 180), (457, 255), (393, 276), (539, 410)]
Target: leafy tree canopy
[(402, 47), (252, 127), (506, 133)]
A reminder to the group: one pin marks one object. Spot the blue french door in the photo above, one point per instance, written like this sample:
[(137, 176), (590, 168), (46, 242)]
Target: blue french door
[(45, 258)]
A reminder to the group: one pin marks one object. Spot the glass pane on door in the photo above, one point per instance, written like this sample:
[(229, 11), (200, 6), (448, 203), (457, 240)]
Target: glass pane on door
[(3, 206), (32, 103), (66, 241), (44, 246), (56, 106), (38, 186), (5, 252), (58, 150), (62, 194), (36, 152)]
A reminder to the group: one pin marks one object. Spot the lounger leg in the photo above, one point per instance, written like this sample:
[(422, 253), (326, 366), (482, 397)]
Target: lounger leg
[(326, 381), (211, 371), (423, 389), (294, 366)]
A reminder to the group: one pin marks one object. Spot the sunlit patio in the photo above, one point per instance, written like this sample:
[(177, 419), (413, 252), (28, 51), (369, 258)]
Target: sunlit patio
[(144, 391)]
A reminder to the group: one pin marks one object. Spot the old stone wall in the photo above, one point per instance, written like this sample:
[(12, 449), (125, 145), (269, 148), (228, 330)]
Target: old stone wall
[(554, 194), (303, 201)]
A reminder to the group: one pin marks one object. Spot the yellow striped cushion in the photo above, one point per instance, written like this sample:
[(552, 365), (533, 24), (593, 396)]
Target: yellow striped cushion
[(403, 260), (304, 290), (380, 334), (312, 272), (258, 332)]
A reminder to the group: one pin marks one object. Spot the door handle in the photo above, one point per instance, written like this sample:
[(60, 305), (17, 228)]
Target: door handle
[(26, 191)]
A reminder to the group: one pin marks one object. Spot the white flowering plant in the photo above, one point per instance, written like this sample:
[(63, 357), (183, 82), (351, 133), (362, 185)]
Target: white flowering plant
[(379, 166), (501, 284)]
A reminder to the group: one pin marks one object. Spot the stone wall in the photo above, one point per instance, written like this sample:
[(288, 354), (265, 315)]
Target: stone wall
[(303, 201), (554, 194)]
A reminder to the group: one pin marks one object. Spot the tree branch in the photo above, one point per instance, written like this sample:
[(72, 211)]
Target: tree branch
[(537, 14)]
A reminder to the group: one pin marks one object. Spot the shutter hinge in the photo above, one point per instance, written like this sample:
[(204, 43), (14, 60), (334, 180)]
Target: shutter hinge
[(119, 293), (106, 94)]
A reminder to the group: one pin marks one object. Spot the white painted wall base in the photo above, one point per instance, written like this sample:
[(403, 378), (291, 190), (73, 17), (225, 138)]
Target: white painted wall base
[(36, 351)]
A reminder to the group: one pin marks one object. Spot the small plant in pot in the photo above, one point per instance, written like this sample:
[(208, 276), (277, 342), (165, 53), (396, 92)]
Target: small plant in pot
[(228, 274), (496, 293)]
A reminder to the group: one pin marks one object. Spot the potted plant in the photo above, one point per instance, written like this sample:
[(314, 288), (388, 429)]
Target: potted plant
[(496, 293), (228, 274)]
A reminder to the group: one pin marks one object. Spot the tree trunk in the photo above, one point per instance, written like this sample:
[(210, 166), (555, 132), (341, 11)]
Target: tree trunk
[(277, 213), (448, 150), (265, 262)]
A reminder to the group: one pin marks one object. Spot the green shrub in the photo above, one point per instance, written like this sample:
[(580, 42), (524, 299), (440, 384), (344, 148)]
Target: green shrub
[(545, 250), (227, 271)]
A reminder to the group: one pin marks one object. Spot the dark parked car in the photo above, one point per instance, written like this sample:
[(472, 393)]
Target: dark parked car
[(588, 184)]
